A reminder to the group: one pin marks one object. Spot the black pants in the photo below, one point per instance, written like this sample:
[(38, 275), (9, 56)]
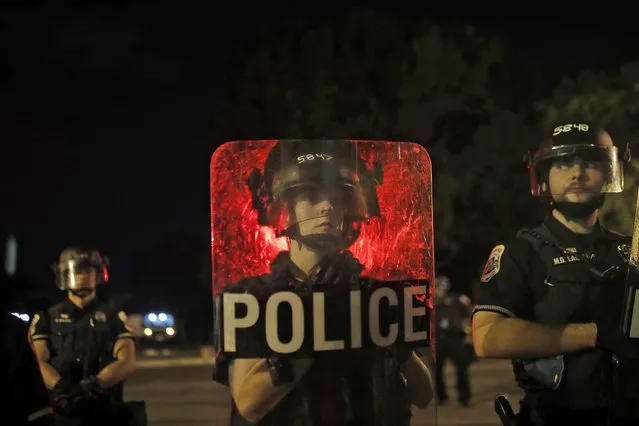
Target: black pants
[(453, 347)]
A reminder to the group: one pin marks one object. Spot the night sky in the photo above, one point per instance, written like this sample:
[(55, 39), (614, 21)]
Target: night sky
[(107, 113)]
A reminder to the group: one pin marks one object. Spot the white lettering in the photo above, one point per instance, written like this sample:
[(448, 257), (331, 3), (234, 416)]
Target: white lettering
[(568, 127), (310, 157), (356, 319), (410, 312), (373, 317), (232, 323), (319, 326), (272, 326)]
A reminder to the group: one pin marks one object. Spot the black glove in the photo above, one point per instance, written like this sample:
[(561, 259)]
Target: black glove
[(65, 396), (614, 340), (91, 388), (336, 274), (337, 269)]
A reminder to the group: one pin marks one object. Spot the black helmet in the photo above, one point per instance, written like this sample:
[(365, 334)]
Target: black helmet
[(331, 166), (576, 140), (78, 259)]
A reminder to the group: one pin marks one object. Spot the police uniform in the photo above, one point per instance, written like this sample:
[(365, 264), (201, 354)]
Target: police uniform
[(26, 399), (81, 343), (552, 275), (363, 387), (451, 311)]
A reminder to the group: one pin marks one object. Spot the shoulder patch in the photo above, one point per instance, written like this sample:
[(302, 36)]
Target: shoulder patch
[(34, 322), (493, 263), (125, 320)]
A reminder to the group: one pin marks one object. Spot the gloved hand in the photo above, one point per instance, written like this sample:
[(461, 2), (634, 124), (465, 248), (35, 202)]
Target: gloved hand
[(92, 388), (65, 396), (336, 274), (611, 338), (337, 269)]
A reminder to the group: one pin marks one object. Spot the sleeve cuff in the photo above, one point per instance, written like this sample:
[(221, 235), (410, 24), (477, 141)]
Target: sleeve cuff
[(124, 336), (494, 308)]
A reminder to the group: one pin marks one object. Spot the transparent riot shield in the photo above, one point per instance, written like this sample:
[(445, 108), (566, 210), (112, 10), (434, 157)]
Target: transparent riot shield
[(322, 268)]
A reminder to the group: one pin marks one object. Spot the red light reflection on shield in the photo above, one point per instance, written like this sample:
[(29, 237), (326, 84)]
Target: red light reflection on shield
[(397, 246)]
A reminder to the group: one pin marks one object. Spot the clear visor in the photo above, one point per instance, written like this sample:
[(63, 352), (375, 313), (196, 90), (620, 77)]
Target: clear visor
[(332, 207), (76, 274), (588, 157)]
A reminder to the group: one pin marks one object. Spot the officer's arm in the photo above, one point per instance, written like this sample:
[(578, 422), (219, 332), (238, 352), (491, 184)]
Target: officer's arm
[(419, 381), (123, 352), (498, 328), (122, 367), (49, 374), (252, 389), (28, 396), (498, 336), (39, 332)]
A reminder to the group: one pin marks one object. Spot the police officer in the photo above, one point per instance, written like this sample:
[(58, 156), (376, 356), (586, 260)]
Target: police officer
[(26, 401), (551, 298), (319, 206), (84, 346), (454, 340)]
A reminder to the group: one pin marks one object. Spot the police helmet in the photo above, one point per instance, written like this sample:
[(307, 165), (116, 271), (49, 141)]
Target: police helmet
[(332, 167), (78, 260), (588, 142)]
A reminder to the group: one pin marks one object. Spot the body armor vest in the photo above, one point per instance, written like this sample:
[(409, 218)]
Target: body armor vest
[(83, 346), (576, 285)]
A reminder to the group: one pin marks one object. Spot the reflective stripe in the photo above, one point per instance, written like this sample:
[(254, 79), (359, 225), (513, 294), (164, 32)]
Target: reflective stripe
[(40, 413), (39, 336), (493, 308)]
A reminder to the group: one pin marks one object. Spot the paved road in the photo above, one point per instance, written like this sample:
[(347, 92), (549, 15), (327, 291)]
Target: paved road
[(186, 395)]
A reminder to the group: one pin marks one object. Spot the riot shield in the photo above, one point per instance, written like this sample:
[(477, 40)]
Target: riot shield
[(322, 254), (630, 319)]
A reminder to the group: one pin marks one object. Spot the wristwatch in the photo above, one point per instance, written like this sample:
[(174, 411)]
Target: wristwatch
[(281, 370)]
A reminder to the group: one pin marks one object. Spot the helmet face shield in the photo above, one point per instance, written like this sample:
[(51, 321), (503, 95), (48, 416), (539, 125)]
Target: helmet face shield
[(605, 158), (347, 199), (316, 181), (75, 275), (78, 269)]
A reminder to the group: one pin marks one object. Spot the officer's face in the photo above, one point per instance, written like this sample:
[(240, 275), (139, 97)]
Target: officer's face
[(85, 278), (576, 180), (318, 213)]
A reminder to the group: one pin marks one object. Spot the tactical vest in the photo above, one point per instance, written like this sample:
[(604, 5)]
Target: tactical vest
[(571, 295), (93, 334)]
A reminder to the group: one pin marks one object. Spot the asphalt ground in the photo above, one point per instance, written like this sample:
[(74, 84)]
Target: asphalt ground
[(178, 390)]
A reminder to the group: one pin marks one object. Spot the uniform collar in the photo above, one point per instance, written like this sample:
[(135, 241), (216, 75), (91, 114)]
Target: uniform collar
[(567, 236), (70, 308), (283, 265)]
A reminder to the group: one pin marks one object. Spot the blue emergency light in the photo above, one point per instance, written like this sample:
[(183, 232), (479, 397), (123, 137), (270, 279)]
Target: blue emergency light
[(159, 320)]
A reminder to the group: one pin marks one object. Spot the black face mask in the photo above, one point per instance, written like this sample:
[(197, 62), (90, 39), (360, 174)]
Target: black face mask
[(578, 210)]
